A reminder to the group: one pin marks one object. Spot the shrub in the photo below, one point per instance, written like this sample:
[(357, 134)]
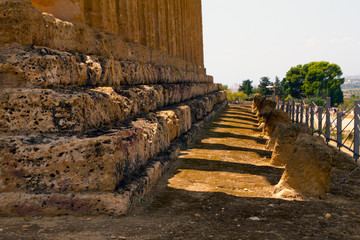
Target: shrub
[(317, 100)]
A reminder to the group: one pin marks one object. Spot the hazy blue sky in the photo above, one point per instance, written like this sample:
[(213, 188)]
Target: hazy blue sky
[(249, 39)]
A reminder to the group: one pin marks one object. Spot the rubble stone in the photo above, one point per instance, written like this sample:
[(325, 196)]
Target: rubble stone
[(285, 143), (308, 170)]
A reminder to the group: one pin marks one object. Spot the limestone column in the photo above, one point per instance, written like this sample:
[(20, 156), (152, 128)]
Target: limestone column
[(162, 26), (199, 33), (123, 20), (142, 22), (184, 28), (150, 15), (156, 23), (62, 9), (133, 20), (171, 27), (178, 29)]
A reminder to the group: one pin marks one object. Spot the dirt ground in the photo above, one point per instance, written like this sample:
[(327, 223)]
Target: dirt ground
[(219, 188)]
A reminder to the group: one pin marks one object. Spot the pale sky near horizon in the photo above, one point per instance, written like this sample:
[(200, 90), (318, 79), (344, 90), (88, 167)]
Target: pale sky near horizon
[(249, 39)]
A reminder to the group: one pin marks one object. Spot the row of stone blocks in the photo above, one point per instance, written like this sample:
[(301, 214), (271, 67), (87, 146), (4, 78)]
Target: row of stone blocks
[(89, 122), (307, 159), (36, 110), (31, 66), (98, 159), (42, 174)]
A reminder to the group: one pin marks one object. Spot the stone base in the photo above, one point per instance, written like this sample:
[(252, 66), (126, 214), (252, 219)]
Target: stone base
[(118, 202)]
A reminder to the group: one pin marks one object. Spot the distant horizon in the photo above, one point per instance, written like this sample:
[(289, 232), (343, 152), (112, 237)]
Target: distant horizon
[(252, 39)]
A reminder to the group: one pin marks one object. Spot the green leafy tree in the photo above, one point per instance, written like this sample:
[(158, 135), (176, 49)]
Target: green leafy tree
[(315, 79), (335, 92), (246, 87), (295, 78), (264, 82), (236, 96), (279, 88), (319, 78), (256, 90)]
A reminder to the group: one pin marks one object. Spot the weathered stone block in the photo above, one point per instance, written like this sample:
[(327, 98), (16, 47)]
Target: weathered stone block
[(39, 66), (276, 133), (97, 160), (256, 101), (21, 23), (265, 106), (308, 170), (272, 117), (285, 142)]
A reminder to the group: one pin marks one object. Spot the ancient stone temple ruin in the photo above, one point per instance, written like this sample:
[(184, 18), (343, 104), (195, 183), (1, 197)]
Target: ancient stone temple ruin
[(97, 97)]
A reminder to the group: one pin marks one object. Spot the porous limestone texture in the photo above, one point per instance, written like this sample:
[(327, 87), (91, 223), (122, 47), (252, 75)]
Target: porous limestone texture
[(22, 23), (285, 142), (278, 129), (308, 170), (26, 203), (25, 66), (256, 102), (265, 106), (29, 110), (97, 160), (172, 26), (91, 115), (272, 116)]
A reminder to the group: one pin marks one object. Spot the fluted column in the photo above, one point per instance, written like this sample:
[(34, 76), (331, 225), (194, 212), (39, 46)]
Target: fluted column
[(171, 26), (162, 25)]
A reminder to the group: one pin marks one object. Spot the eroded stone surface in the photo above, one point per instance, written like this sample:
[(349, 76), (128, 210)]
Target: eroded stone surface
[(256, 101), (95, 160), (39, 66), (272, 116), (22, 23), (155, 24), (57, 110), (285, 142), (89, 119), (278, 129), (90, 201), (308, 170)]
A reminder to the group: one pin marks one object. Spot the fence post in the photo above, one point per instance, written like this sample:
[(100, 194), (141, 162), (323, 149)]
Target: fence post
[(328, 121), (297, 112), (339, 130), (356, 129), (293, 111), (283, 105), (307, 115), (320, 111), (301, 111), (312, 115)]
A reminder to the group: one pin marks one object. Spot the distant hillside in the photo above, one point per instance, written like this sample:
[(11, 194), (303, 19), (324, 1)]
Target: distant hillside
[(351, 82)]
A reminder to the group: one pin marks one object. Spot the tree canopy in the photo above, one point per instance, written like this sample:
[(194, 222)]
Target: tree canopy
[(246, 87), (236, 96), (264, 82), (315, 79), (279, 88)]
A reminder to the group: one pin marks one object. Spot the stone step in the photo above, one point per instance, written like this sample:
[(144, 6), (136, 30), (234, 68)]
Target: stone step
[(30, 110), (111, 203), (96, 160), (31, 66)]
